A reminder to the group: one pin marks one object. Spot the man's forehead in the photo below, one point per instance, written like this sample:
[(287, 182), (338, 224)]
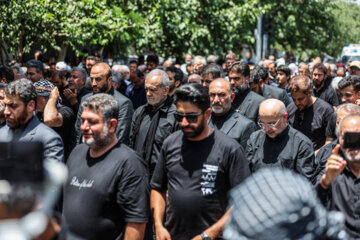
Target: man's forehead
[(91, 113), (219, 87), (350, 124), (12, 98), (154, 80), (171, 74), (31, 69), (186, 107)]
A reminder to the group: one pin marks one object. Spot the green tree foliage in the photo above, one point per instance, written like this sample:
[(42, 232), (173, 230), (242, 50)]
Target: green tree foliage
[(73, 23), (302, 25), (348, 22), (174, 27)]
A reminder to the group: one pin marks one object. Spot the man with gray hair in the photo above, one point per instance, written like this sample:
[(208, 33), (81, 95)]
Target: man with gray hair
[(277, 144), (198, 64), (113, 204), (21, 123), (154, 121), (325, 152), (76, 89), (338, 187), (124, 80)]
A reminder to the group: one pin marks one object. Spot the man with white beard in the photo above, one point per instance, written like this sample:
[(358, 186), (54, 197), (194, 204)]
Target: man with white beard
[(339, 186), (224, 117), (106, 195)]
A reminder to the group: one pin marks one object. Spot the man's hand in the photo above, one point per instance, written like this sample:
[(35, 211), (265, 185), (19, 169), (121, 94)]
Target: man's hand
[(54, 93), (161, 233), (334, 166), (357, 102), (71, 96)]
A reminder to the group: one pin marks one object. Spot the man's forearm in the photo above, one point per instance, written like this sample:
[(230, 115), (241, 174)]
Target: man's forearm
[(134, 231), (157, 205), (217, 228), (52, 117)]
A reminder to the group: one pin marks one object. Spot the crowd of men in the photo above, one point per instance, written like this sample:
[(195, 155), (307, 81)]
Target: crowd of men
[(154, 150)]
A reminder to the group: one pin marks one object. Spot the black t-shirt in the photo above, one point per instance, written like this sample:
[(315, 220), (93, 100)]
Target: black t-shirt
[(102, 194), (312, 121), (198, 176), (328, 94), (67, 129)]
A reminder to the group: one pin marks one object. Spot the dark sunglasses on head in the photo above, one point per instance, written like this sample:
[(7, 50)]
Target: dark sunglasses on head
[(190, 118)]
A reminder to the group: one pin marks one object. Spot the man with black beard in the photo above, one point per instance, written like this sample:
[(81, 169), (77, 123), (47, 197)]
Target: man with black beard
[(246, 101), (321, 89), (258, 85), (21, 123), (175, 76), (196, 168), (225, 118), (339, 185), (101, 82), (106, 193)]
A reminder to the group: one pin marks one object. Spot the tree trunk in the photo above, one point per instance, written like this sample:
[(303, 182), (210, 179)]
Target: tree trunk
[(62, 53)]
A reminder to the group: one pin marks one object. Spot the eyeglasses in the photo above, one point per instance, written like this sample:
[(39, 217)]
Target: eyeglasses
[(269, 125), (190, 118)]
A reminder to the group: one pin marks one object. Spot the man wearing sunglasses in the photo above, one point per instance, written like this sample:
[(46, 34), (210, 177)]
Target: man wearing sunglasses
[(197, 167), (246, 101), (277, 144)]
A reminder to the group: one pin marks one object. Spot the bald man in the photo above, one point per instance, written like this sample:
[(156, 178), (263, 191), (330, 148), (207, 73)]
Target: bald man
[(277, 144), (194, 78), (101, 82), (339, 185), (224, 117)]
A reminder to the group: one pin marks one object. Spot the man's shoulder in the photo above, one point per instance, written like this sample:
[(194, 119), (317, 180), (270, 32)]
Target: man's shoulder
[(120, 98), (256, 136), (322, 105), (299, 136), (291, 108), (225, 140), (240, 119), (255, 97), (175, 136)]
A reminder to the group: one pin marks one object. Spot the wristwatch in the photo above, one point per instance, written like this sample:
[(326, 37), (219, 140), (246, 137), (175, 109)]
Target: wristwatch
[(204, 236)]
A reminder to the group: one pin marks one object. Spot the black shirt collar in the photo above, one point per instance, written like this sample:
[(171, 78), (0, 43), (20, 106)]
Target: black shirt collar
[(280, 136)]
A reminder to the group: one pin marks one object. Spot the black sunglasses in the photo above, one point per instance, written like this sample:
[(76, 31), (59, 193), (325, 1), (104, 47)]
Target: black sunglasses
[(190, 118)]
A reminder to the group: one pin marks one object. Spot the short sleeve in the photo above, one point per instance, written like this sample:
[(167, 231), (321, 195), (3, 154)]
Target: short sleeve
[(238, 167), (159, 178), (133, 191)]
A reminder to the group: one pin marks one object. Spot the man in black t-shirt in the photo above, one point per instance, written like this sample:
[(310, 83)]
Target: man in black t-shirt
[(197, 167), (106, 193), (308, 114), (55, 115), (321, 89)]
